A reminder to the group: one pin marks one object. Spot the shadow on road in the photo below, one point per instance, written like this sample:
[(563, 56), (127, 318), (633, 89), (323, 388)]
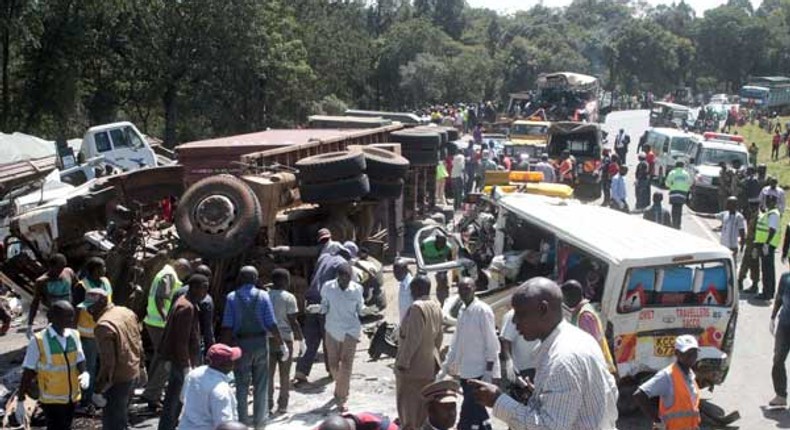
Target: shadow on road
[(780, 415)]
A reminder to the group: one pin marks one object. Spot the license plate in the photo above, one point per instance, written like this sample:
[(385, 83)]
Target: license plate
[(664, 346)]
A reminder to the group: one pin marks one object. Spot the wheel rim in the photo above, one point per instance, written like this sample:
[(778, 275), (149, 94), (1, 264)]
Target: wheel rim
[(215, 214)]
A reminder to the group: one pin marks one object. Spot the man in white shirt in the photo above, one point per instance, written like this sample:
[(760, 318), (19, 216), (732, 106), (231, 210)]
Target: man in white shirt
[(773, 190), (733, 227), (473, 354), (521, 355), (342, 303), (573, 388), (400, 270), (457, 178), (207, 395)]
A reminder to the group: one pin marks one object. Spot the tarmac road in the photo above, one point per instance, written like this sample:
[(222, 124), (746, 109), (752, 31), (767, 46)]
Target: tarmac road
[(748, 386)]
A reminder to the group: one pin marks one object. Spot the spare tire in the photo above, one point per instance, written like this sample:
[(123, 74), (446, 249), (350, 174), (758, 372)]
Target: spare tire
[(342, 190), (330, 166), (417, 140), (382, 190), (381, 163), (219, 216)]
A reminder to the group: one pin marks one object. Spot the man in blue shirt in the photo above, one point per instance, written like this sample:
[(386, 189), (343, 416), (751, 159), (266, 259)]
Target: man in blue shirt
[(247, 321), (619, 196)]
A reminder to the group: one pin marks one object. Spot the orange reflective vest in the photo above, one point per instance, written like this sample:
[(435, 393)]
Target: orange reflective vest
[(684, 412)]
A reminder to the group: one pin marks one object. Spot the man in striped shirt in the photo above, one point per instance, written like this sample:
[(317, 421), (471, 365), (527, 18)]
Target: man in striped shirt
[(573, 388)]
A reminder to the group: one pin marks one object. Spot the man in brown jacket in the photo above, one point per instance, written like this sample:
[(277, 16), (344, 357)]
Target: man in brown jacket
[(120, 353), (418, 357)]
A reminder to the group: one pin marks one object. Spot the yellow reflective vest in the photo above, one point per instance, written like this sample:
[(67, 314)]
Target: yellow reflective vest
[(57, 372), (152, 316), (85, 322), (762, 229)]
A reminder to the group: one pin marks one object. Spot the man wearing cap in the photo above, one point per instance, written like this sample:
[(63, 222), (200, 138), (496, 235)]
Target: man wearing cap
[(160, 297), (440, 398), (418, 356), (181, 346), (773, 190), (313, 328), (676, 389), (120, 352), (208, 397), (247, 321), (54, 358), (767, 238)]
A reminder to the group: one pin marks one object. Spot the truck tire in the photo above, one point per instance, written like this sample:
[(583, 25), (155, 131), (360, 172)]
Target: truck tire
[(417, 140), (219, 216), (383, 164), (385, 189), (330, 166), (422, 158), (341, 190)]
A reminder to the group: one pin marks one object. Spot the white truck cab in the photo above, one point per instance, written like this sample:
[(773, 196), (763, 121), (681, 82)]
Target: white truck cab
[(120, 144)]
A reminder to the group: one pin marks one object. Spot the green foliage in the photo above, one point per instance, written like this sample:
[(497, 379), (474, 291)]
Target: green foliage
[(195, 68)]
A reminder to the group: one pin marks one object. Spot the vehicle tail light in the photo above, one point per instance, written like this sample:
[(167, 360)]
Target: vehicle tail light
[(526, 176), (590, 166)]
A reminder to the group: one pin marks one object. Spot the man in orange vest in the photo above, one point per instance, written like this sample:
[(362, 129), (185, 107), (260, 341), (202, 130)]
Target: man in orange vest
[(676, 389)]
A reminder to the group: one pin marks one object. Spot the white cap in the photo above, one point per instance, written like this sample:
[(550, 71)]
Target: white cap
[(686, 342)]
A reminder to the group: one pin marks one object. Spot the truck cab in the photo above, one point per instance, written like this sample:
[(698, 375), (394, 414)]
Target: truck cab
[(120, 144)]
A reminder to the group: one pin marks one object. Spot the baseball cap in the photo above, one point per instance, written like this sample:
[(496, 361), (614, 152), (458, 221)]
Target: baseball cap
[(90, 296), (445, 391), (219, 353), (686, 342)]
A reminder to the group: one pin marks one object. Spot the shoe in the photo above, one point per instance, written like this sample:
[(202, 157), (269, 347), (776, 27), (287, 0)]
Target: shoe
[(762, 296), (751, 290), (778, 401), (155, 406), (299, 378)]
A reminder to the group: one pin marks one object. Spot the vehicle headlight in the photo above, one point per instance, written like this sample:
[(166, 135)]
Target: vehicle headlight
[(703, 180)]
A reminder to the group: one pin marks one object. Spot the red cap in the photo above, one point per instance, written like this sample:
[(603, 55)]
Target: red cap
[(219, 353)]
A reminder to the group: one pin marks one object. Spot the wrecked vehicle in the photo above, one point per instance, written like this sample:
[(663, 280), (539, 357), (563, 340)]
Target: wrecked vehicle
[(583, 143), (646, 295)]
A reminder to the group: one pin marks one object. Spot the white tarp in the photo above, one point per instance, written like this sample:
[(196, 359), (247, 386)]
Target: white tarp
[(16, 147)]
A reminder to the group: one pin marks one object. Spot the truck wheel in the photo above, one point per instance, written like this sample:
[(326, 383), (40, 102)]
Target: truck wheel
[(330, 166), (385, 189), (382, 164), (422, 157), (219, 216), (337, 191), (417, 140)]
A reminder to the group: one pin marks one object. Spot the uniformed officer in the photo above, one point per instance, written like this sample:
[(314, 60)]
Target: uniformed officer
[(767, 237), (441, 398), (679, 183)]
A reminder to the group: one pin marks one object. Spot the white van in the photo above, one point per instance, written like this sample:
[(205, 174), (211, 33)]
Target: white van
[(669, 145), (651, 283)]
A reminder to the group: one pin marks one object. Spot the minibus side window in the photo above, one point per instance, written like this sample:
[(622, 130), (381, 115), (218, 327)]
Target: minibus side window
[(676, 285)]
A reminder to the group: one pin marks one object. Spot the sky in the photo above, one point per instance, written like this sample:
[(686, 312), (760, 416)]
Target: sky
[(513, 5)]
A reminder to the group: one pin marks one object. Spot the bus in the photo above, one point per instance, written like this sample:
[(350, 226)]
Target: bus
[(766, 92), (568, 96)]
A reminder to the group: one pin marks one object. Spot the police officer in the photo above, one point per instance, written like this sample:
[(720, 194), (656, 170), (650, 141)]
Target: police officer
[(750, 263), (679, 183), (441, 398), (766, 237)]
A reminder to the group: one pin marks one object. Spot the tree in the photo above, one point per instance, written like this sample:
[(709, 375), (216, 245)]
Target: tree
[(423, 79)]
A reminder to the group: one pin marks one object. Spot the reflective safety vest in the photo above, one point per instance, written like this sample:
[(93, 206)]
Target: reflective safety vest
[(607, 354), (58, 289), (152, 317), (762, 229), (684, 412), (678, 180), (85, 322), (57, 372)]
